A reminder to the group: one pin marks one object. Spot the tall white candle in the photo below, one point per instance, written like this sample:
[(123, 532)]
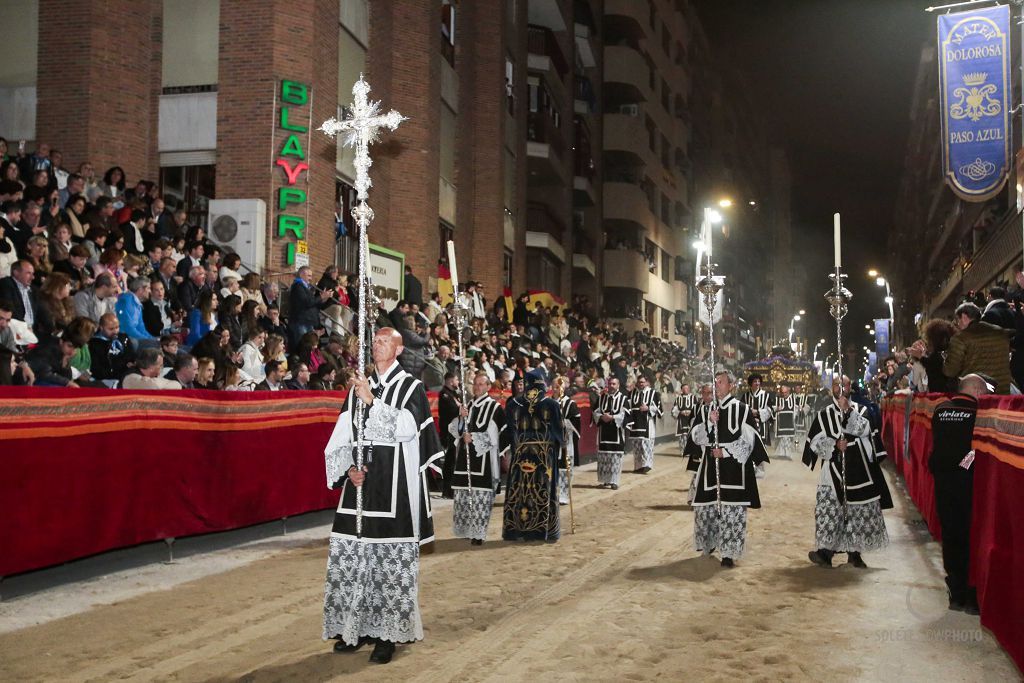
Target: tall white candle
[(452, 267), (836, 240)]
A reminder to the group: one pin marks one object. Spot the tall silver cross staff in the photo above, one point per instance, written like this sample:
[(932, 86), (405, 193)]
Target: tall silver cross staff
[(362, 128)]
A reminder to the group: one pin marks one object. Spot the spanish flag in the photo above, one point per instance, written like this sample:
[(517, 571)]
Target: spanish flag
[(444, 284)]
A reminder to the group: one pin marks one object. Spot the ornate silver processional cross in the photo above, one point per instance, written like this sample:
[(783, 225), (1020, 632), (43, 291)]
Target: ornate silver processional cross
[(361, 129)]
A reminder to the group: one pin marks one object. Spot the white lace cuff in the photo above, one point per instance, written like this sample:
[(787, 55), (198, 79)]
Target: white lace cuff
[(381, 423), (481, 442), (338, 460), (741, 449), (858, 425), (823, 446), (699, 435)]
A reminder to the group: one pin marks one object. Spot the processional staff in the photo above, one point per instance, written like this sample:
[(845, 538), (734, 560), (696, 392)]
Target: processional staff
[(709, 286), (362, 127), (460, 312), (838, 298)]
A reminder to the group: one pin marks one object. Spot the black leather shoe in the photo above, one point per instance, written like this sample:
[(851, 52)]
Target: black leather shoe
[(856, 560), (819, 558), (727, 563), (615, 487), (383, 651), (342, 647)]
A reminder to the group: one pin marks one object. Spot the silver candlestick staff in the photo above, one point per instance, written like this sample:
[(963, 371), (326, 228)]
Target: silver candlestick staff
[(838, 298), (709, 286)]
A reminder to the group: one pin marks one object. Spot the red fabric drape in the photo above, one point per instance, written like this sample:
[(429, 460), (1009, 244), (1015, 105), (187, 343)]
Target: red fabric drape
[(85, 471), (997, 532)]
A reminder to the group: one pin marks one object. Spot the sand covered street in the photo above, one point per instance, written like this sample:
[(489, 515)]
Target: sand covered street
[(625, 598)]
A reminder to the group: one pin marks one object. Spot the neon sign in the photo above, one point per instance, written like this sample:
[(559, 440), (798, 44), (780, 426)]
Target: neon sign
[(292, 201)]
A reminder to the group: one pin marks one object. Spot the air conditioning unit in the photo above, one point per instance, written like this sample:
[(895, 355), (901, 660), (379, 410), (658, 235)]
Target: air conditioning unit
[(630, 109), (240, 226)]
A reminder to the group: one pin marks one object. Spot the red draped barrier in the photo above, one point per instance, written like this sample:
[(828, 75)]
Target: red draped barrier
[(912, 461), (90, 470), (997, 532)]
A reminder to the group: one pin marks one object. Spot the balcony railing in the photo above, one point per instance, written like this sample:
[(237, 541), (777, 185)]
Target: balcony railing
[(541, 128), (540, 219), (541, 41)]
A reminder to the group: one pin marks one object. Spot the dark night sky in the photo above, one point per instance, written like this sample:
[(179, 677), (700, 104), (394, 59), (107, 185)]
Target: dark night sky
[(836, 77)]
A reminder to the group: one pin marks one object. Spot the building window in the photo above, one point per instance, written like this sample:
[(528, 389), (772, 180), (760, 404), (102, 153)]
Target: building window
[(191, 187), (666, 266), (448, 31), (347, 245), (445, 232), (506, 269), (510, 86)]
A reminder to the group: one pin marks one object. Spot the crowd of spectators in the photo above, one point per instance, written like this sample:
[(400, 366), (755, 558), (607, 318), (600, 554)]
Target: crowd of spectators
[(102, 285), (985, 337)]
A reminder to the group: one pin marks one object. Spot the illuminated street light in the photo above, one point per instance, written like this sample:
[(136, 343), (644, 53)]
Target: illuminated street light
[(872, 273), (714, 216), (803, 312), (725, 203)]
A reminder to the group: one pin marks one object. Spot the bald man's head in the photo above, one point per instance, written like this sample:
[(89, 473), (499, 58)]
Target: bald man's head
[(974, 385), (387, 344)]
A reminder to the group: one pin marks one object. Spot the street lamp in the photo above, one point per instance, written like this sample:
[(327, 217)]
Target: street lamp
[(725, 202)]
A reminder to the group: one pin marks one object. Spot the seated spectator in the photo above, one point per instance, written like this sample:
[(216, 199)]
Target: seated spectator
[(249, 290), (8, 252), (193, 258), (112, 185), (112, 261), (157, 315), (165, 274), (202, 318), (207, 369), (273, 349), (75, 268), (230, 310), (95, 239), (74, 216), (111, 352), (978, 348), (81, 362), (252, 356), (216, 344), (233, 380), (184, 370), (17, 288), (300, 378), (272, 324), (50, 360), (190, 290), (129, 312), (60, 243), (55, 308), (93, 302), (38, 254), (304, 304), (229, 269), (325, 378), (273, 378), (169, 348), (149, 368)]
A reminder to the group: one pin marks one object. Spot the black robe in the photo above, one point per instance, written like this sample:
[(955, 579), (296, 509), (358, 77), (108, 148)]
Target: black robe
[(571, 414), (639, 423), (447, 410), (610, 436), (531, 496), (761, 400), (684, 407), (785, 415), (396, 469), (739, 481), (693, 452), (486, 421), (864, 479)]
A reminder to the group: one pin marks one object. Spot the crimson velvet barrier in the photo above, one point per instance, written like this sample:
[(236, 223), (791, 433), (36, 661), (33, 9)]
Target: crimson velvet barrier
[(997, 532), (83, 471)]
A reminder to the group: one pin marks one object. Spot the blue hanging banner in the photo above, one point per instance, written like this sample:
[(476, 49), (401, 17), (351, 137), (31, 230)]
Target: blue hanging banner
[(882, 337), (974, 80)]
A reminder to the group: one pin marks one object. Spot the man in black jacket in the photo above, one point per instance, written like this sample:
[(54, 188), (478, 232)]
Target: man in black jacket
[(448, 402), (952, 465), (304, 305), (111, 352), (998, 311)]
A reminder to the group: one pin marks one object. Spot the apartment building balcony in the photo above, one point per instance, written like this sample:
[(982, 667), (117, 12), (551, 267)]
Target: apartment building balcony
[(545, 148), (996, 254), (545, 231), (626, 202), (584, 99), (544, 52), (546, 14), (621, 20), (626, 268), (626, 135), (626, 74), (583, 31)]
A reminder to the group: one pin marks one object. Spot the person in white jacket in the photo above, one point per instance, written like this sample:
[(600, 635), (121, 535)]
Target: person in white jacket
[(252, 356)]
